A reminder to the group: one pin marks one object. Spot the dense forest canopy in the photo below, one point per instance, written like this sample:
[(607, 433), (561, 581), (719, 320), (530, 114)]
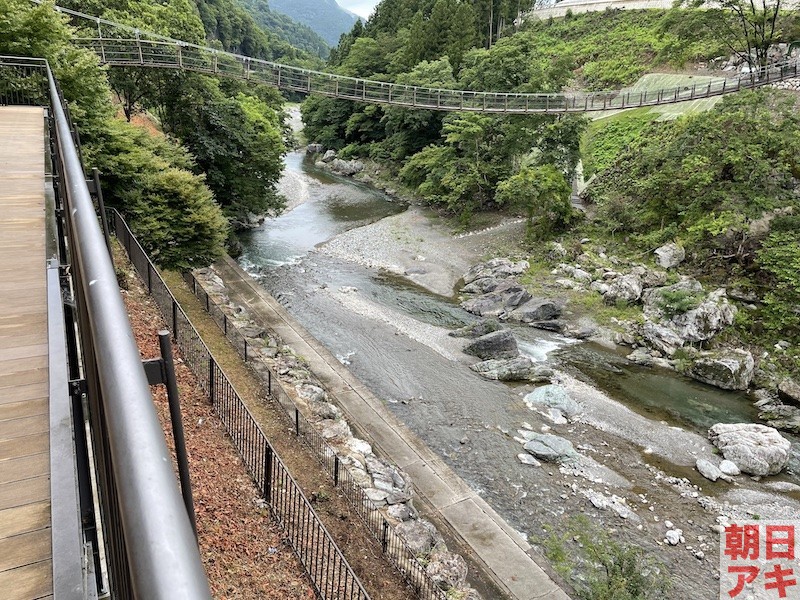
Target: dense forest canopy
[(203, 152)]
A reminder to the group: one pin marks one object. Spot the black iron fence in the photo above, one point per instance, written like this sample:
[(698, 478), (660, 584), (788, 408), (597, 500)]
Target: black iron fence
[(394, 547), (331, 575)]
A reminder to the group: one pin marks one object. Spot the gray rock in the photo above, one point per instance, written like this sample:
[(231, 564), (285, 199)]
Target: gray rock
[(520, 368), (670, 255), (707, 469), (499, 268), (477, 329), (781, 416), (378, 497), (346, 167), (662, 338), (311, 392), (599, 287), (550, 448), (314, 149), (401, 512), (729, 468), (611, 502), (653, 279), (641, 356), (484, 285), (338, 429), (420, 536), (704, 322), (535, 309), (555, 325), (325, 410), (654, 298), (447, 570), (627, 289), (789, 391), (726, 369), (581, 275), (755, 449), (495, 345), (553, 396), (527, 459), (674, 537), (505, 298), (329, 156)]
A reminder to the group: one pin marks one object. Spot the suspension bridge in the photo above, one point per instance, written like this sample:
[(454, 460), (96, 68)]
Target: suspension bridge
[(120, 45)]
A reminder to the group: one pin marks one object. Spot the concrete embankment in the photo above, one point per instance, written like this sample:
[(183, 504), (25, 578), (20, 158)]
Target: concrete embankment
[(504, 557)]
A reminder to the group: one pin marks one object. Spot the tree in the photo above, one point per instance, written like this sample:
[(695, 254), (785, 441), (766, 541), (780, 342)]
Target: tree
[(747, 26), (544, 194)]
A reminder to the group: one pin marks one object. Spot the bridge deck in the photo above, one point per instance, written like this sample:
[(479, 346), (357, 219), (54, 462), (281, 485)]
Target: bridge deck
[(25, 533)]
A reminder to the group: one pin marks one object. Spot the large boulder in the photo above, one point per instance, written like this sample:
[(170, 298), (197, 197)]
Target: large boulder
[(726, 369), (520, 368), (447, 569), (499, 268), (329, 156), (704, 322), (789, 391), (315, 149), (670, 255), (662, 338), (420, 536), (555, 397), (656, 300), (549, 447), (535, 309), (495, 345), (626, 289), (755, 449), (505, 298), (484, 285), (346, 167)]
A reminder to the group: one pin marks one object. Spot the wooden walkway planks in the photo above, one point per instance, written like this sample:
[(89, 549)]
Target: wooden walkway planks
[(25, 534)]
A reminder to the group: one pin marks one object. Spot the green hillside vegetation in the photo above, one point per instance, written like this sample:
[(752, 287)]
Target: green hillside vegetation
[(284, 27), (220, 153), (458, 162), (325, 17), (725, 183)]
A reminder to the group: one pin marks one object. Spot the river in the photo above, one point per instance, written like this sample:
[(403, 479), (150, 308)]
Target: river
[(393, 335)]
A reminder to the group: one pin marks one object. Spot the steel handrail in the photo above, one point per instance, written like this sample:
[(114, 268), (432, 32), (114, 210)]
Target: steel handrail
[(163, 558)]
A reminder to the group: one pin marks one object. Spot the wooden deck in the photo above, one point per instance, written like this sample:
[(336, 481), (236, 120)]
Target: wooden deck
[(25, 534)]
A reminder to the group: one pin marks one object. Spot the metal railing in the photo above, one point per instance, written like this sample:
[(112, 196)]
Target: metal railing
[(327, 568), (150, 549), (148, 545), (394, 547), (124, 46)]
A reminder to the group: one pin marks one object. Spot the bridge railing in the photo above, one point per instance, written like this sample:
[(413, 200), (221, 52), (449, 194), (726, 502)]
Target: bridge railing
[(142, 52), (148, 544)]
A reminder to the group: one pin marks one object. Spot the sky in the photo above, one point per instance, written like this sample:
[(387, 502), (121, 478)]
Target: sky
[(362, 8)]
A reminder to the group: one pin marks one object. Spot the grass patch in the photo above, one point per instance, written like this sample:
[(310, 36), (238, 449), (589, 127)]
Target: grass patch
[(600, 568)]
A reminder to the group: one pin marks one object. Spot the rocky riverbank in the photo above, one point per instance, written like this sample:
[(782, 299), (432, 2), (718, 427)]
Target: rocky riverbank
[(644, 482)]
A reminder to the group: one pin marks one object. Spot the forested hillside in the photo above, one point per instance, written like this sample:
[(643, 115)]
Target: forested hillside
[(181, 154), (297, 34), (325, 17), (460, 162), (706, 180)]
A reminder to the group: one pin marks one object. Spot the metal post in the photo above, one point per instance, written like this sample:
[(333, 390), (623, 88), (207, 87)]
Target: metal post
[(385, 536), (245, 350), (102, 208), (173, 398), (297, 421), (336, 470), (175, 319), (268, 475), (269, 382), (211, 379), (149, 278)]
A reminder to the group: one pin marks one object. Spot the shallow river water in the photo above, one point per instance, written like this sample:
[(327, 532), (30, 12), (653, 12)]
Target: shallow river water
[(392, 334)]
